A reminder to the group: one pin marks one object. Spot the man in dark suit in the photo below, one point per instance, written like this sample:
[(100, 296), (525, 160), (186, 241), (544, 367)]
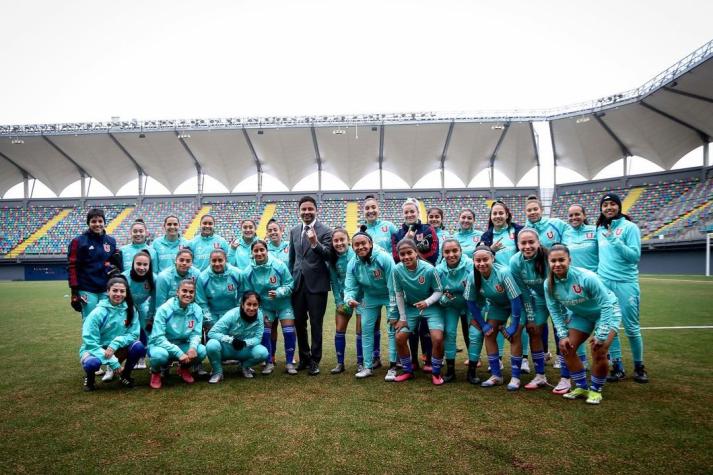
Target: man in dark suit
[(310, 247)]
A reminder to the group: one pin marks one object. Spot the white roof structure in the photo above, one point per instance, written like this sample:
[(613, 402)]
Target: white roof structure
[(661, 121)]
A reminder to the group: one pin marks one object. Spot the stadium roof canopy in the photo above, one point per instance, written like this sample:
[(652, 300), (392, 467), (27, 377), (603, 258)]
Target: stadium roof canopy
[(662, 121)]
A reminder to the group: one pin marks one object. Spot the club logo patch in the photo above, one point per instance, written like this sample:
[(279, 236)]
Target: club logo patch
[(421, 280), (107, 248), (216, 245), (499, 288), (377, 274), (419, 237), (590, 235), (287, 250), (550, 234), (384, 228), (231, 287), (475, 239), (577, 288), (191, 324), (273, 279), (512, 236), (618, 232)]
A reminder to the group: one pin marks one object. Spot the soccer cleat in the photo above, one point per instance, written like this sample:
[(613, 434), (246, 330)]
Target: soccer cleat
[(616, 375), (562, 387), (437, 380), (365, 373), (514, 384), (313, 369), (492, 381), (427, 368), (405, 376), (99, 372), (450, 373), (247, 373), (108, 375), (577, 393), (376, 363), (548, 356), (89, 385), (360, 367), (268, 369), (337, 369), (472, 375), (185, 375), (539, 381), (200, 372), (525, 366), (557, 364), (215, 378), (640, 375), (126, 382), (390, 375), (141, 364), (290, 369), (594, 397), (155, 382)]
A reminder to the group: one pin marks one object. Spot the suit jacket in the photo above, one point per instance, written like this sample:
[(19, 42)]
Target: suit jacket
[(309, 267)]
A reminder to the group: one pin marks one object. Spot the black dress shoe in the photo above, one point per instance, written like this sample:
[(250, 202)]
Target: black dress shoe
[(302, 365), (313, 369)]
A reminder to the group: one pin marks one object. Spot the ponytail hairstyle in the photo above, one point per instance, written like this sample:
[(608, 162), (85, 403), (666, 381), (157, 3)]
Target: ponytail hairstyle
[(437, 210), (535, 199), (362, 232), (120, 279), (333, 257), (171, 216), (468, 210), (149, 274), (584, 212), (508, 214), (540, 257), (551, 277), (264, 244), (477, 278)]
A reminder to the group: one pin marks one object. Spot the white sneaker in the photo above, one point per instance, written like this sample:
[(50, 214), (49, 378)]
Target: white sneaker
[(563, 386), (365, 373), (108, 375), (247, 373), (360, 367), (539, 381), (198, 369), (268, 369), (390, 375), (216, 378), (525, 366), (548, 356), (514, 384), (492, 381), (290, 369), (141, 364), (99, 372), (557, 364)]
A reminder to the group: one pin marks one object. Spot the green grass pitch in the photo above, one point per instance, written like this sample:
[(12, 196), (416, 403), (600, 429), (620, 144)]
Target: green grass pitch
[(331, 423)]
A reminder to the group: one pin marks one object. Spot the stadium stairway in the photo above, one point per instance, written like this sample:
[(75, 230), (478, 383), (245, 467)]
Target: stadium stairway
[(196, 223), (116, 222), (352, 218), (422, 212), (41, 231), (631, 198), (267, 215), (676, 221)]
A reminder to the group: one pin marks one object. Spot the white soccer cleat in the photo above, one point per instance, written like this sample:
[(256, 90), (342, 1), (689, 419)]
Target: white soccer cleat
[(390, 375), (514, 384), (247, 373), (216, 378), (141, 364), (492, 381), (108, 375), (562, 387), (539, 381), (365, 373), (525, 366), (268, 369)]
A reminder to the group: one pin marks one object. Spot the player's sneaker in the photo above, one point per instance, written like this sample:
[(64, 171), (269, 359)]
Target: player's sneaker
[(200, 372), (437, 380), (548, 356), (577, 393), (403, 377), (557, 364), (156, 382), (514, 384), (290, 369), (337, 369), (215, 378), (616, 375), (89, 384), (492, 381), (99, 372), (126, 382), (185, 375), (365, 373), (640, 375), (141, 364), (108, 375), (539, 381), (268, 369), (594, 397), (562, 387), (525, 366), (390, 375), (247, 373)]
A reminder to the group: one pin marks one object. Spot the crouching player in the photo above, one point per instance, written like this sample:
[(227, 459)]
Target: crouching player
[(176, 335), (595, 311), (237, 336), (110, 335)]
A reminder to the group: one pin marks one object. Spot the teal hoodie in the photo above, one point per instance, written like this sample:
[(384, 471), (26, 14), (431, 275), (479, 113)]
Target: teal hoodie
[(218, 293), (166, 252), (370, 283), (272, 275), (168, 281), (174, 325), (281, 251), (380, 232), (130, 250), (240, 257), (531, 284), (619, 251), (142, 295), (231, 326), (454, 281), (549, 230), (582, 244), (202, 246), (415, 285), (498, 289), (106, 327), (338, 274), (468, 241)]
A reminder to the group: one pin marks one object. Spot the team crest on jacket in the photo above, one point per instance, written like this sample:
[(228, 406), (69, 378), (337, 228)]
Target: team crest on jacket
[(577, 288), (475, 238), (617, 232), (231, 287), (191, 324), (273, 279), (499, 287), (384, 228), (377, 273), (512, 236), (590, 235), (550, 234), (107, 248), (216, 245), (421, 279), (287, 250), (419, 237)]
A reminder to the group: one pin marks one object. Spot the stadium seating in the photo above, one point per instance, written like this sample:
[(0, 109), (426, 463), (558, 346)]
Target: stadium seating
[(153, 215), (20, 223), (228, 216), (587, 197)]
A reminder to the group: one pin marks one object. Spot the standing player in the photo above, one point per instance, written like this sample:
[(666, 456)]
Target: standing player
[(379, 230), (168, 245), (435, 219), (594, 311), (550, 230), (92, 257), (240, 253), (207, 241), (276, 246), (467, 235), (138, 243), (110, 335), (619, 241), (581, 239), (341, 254)]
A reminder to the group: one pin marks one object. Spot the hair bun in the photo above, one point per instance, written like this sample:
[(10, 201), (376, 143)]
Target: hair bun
[(362, 228)]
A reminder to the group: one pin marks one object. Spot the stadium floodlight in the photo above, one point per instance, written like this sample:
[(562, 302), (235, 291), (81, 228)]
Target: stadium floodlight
[(339, 131), (583, 120), (184, 135), (17, 141)]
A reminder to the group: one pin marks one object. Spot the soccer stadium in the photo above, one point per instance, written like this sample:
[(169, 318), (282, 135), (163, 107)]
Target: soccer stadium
[(336, 423)]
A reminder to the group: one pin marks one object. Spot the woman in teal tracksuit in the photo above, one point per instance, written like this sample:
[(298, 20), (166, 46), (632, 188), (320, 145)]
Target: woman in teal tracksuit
[(236, 336), (271, 279), (176, 335), (493, 288), (110, 335), (276, 246), (417, 289), (341, 254), (168, 279), (142, 284), (619, 242), (138, 243), (581, 239), (219, 288), (168, 245), (240, 251), (435, 219), (380, 230), (454, 270), (207, 241), (581, 305), (467, 235), (368, 288)]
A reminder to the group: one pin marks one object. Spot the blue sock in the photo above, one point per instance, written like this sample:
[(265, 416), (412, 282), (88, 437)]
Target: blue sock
[(580, 379), (136, 351), (406, 364), (436, 364), (538, 357), (290, 341), (360, 350), (494, 362), (515, 363), (564, 369), (340, 343), (596, 384), (377, 344), (267, 341)]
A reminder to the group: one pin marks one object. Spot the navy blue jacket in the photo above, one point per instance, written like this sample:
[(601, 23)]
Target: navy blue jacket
[(91, 256), (487, 237), (426, 241)]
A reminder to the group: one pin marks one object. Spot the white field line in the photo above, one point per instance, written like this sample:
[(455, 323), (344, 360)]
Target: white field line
[(691, 327), (654, 279)]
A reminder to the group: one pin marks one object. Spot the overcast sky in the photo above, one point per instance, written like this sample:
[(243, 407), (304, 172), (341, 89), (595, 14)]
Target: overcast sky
[(91, 60)]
